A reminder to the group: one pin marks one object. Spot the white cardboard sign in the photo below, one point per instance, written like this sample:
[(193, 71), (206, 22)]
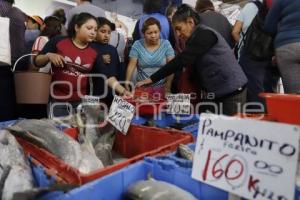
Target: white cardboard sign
[(250, 158), (120, 114), (178, 103)]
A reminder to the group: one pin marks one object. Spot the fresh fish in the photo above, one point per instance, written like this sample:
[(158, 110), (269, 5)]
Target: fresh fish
[(185, 152), (16, 173), (49, 137), (96, 132), (89, 162), (156, 190)]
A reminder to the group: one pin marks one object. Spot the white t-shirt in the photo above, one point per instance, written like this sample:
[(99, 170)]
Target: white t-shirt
[(247, 14)]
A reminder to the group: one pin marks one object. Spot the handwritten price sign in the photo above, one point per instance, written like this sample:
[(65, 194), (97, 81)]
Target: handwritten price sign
[(120, 114), (253, 159), (178, 103)]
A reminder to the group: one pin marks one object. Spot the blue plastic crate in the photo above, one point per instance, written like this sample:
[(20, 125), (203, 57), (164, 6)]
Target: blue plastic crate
[(168, 120), (138, 120), (113, 186), (7, 123)]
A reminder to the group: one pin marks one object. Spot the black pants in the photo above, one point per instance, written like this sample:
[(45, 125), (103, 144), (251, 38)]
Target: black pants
[(7, 94)]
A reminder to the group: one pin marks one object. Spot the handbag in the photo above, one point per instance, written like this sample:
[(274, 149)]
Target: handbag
[(5, 52)]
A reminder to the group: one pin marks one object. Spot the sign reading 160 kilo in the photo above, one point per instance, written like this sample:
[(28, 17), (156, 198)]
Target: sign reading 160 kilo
[(250, 158), (120, 114), (178, 103)]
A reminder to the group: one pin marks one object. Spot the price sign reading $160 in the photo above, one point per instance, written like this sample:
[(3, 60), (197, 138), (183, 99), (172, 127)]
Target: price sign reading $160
[(120, 114)]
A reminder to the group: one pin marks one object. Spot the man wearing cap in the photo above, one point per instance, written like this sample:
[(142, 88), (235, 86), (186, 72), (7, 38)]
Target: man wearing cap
[(85, 6), (33, 29)]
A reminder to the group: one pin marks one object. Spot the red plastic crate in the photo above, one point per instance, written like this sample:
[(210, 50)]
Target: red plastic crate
[(140, 142), (146, 102), (283, 107), (261, 116), (147, 108)]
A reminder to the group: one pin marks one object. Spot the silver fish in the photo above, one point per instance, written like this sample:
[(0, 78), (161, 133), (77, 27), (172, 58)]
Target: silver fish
[(185, 152), (156, 190), (49, 137), (16, 173), (101, 137)]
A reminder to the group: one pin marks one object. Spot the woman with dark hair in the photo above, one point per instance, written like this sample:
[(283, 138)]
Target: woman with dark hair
[(51, 28), (211, 65), (61, 15), (72, 58), (149, 54), (152, 8)]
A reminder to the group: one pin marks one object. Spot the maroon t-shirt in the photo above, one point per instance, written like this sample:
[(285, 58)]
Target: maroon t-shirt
[(70, 82)]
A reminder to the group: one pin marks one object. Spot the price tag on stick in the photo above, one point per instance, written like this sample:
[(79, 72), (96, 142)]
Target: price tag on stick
[(120, 114), (178, 103)]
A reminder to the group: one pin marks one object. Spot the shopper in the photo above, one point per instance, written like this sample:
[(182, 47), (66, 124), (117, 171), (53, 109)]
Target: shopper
[(212, 65), (215, 20), (72, 58), (85, 6), (17, 44), (61, 15), (52, 28), (286, 26), (34, 26), (261, 74), (149, 54), (111, 63)]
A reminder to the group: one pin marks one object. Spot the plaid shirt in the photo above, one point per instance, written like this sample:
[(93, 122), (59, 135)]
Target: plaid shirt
[(17, 29)]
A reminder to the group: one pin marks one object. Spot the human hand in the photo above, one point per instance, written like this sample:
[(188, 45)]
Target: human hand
[(106, 59), (56, 59), (145, 82), (127, 94)]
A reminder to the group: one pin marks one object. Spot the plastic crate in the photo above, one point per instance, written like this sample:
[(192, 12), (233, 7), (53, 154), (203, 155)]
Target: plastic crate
[(176, 121), (114, 186), (147, 108), (138, 120), (7, 123), (138, 143), (283, 107)]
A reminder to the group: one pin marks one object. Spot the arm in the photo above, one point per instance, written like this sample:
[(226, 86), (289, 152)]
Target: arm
[(236, 30), (114, 84), (56, 59), (48, 54), (169, 79), (130, 69), (199, 43)]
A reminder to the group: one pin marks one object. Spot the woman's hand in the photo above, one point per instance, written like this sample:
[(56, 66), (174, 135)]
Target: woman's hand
[(127, 94), (145, 82), (56, 59), (106, 59)]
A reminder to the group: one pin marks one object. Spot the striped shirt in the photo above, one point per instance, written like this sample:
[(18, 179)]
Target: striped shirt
[(150, 62)]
